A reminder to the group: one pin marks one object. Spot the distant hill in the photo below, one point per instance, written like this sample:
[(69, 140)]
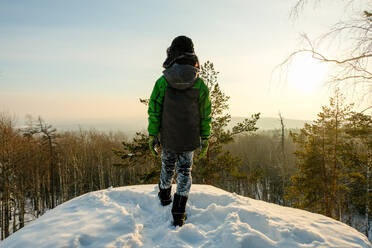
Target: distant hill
[(268, 123), (131, 126)]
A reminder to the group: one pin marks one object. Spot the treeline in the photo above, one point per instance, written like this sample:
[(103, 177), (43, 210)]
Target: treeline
[(267, 161), (41, 168)]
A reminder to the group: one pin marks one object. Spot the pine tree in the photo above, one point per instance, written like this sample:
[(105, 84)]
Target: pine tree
[(136, 152), (318, 184), (359, 129), (219, 165)]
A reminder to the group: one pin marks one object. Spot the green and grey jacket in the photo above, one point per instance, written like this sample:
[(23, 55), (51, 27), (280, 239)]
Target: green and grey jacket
[(180, 109)]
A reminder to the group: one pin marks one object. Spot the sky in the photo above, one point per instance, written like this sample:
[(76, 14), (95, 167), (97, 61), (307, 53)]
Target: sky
[(90, 59)]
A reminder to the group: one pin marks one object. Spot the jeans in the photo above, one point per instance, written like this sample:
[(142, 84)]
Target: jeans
[(182, 162)]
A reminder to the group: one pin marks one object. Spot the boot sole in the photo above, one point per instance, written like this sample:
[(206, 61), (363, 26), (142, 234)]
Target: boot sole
[(181, 221), (165, 203)]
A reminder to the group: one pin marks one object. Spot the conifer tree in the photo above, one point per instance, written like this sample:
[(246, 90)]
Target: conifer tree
[(333, 159), (219, 164), (359, 130)]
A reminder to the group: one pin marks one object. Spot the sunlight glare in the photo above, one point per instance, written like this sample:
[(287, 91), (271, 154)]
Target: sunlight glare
[(306, 74)]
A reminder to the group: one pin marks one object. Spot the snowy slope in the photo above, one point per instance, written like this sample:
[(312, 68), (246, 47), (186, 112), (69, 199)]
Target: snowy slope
[(132, 217)]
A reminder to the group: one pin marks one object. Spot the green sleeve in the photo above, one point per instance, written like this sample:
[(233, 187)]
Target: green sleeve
[(156, 106), (205, 107)]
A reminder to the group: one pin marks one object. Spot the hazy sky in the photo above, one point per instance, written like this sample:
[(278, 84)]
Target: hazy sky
[(94, 59)]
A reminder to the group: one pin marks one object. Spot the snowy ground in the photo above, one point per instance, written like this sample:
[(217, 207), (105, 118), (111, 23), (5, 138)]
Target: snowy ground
[(133, 217)]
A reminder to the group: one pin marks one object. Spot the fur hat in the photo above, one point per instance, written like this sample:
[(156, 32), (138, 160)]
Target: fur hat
[(182, 51)]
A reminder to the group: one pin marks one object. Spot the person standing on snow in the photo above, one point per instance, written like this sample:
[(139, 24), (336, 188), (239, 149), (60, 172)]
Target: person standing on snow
[(180, 111)]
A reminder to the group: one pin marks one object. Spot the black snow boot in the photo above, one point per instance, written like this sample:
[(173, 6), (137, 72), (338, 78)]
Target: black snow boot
[(165, 196), (179, 209)]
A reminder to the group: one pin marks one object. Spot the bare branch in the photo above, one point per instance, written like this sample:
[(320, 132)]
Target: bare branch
[(365, 109), (352, 63)]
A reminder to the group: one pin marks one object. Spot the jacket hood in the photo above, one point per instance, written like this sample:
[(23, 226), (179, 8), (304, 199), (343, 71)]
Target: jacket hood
[(181, 76)]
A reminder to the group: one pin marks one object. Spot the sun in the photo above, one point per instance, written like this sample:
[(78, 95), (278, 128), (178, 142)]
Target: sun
[(306, 74)]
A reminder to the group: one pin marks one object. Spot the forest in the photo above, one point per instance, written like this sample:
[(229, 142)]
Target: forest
[(323, 167)]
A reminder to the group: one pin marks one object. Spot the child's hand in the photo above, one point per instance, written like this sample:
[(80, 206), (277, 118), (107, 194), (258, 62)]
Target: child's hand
[(204, 148), (153, 141)]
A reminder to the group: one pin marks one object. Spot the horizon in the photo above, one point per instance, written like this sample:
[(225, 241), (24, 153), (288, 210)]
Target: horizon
[(130, 127)]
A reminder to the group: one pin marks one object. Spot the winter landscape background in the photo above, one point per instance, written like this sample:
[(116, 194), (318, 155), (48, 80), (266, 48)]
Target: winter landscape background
[(290, 156)]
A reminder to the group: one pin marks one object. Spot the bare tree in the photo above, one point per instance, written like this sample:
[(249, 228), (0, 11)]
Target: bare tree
[(48, 138), (352, 63)]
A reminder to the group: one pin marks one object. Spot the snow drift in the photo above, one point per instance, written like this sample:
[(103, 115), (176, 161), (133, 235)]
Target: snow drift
[(133, 217)]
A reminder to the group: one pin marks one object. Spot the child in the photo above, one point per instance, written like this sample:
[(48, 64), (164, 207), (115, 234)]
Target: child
[(180, 111)]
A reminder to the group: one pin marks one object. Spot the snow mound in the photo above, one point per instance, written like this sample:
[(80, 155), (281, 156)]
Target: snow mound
[(133, 217)]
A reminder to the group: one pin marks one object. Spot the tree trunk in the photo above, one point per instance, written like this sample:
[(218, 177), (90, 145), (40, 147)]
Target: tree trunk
[(6, 213), (1, 217), (52, 191), (14, 218), (21, 213), (367, 200)]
